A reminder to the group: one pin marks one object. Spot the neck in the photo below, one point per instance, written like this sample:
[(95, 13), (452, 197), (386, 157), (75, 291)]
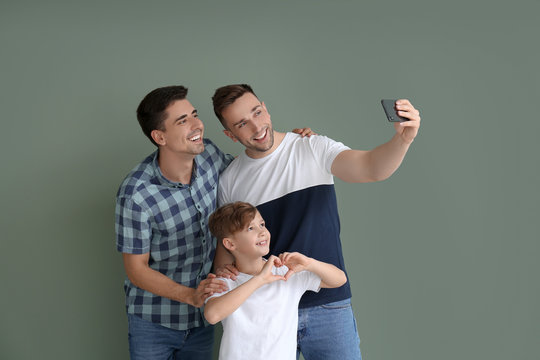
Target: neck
[(250, 267), (176, 167)]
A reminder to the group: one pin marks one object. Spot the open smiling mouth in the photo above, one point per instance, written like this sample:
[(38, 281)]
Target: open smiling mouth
[(195, 138), (262, 243), (262, 136)]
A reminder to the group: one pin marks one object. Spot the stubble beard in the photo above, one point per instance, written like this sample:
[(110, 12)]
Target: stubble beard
[(265, 147)]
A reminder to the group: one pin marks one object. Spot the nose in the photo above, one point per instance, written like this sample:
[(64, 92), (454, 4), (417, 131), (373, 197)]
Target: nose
[(196, 123), (257, 124)]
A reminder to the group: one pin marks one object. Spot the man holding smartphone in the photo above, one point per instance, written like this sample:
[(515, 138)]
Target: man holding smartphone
[(290, 180)]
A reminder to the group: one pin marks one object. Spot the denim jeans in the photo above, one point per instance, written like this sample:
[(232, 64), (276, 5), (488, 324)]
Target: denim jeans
[(328, 332), (151, 341)]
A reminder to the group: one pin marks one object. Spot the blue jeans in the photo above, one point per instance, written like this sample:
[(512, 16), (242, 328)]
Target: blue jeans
[(151, 341), (328, 332)]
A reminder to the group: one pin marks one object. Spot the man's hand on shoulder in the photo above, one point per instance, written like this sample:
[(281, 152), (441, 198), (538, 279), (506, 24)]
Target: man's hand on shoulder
[(304, 132), (228, 271), (208, 287)]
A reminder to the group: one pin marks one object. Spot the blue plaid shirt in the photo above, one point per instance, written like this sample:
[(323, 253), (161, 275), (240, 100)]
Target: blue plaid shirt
[(170, 221)]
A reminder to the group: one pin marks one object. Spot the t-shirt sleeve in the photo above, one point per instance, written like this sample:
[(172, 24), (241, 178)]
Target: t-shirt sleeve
[(133, 228), (310, 281), (326, 150)]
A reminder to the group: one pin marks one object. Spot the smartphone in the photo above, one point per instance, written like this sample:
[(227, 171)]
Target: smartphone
[(389, 107)]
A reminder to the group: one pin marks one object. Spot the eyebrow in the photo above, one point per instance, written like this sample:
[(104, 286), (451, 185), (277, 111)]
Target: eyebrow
[(244, 119), (185, 115)]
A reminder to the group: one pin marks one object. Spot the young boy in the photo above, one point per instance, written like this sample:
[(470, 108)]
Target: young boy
[(259, 312)]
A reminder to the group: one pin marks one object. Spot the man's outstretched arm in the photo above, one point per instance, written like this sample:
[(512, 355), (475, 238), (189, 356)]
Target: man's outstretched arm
[(381, 162)]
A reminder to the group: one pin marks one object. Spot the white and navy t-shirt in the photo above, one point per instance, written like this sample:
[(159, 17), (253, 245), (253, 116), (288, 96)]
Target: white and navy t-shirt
[(293, 189)]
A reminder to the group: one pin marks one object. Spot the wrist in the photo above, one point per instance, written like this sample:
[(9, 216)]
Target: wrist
[(310, 263), (191, 298), (403, 140), (259, 280)]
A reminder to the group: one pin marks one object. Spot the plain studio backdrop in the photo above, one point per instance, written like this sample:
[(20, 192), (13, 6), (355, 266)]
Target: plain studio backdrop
[(442, 257)]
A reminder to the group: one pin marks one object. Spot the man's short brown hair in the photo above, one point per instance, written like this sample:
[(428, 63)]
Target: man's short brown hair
[(231, 218), (226, 95), (151, 111)]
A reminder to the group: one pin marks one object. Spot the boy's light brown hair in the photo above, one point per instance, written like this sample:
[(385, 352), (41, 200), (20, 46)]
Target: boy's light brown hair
[(231, 218)]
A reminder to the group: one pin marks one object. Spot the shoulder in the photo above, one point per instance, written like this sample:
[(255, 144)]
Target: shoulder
[(236, 165), (314, 140), (210, 147), (212, 155), (138, 178), (294, 142), (211, 151)]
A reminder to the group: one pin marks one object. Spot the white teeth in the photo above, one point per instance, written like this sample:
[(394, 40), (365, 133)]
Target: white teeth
[(195, 138), (262, 242), (262, 136)]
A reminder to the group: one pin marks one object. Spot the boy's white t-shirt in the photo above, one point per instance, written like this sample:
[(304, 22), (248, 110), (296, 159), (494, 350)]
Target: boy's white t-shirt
[(265, 325)]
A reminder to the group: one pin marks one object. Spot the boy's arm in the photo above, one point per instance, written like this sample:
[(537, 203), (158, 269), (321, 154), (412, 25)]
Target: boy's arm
[(218, 308), (144, 277), (331, 276), (378, 164)]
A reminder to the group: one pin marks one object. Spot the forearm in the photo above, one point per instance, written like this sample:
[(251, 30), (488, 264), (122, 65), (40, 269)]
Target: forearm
[(218, 308), (331, 276), (144, 277), (369, 166), (155, 282), (385, 159)]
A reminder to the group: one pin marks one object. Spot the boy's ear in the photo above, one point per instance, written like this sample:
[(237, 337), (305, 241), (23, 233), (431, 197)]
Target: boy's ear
[(228, 243)]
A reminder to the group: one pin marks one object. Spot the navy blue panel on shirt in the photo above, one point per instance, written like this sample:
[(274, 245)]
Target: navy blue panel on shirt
[(307, 221)]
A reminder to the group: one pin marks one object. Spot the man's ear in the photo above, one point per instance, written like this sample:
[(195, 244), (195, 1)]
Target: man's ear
[(230, 135), (159, 137), (228, 244)]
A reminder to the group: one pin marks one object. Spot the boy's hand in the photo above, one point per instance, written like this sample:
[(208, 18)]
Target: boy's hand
[(228, 271), (206, 288), (296, 262), (304, 132), (266, 275)]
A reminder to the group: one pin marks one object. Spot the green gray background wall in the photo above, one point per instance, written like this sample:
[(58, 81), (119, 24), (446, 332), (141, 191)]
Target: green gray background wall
[(443, 257)]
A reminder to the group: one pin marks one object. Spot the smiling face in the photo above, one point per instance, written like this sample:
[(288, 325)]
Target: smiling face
[(252, 241), (182, 131), (247, 121)]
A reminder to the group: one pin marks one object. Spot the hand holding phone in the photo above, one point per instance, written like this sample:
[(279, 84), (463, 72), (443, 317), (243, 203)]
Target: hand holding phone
[(389, 107)]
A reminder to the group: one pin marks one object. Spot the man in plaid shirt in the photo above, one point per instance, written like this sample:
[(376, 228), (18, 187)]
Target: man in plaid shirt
[(162, 210)]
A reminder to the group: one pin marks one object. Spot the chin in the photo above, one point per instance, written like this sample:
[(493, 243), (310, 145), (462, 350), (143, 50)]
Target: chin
[(199, 149)]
